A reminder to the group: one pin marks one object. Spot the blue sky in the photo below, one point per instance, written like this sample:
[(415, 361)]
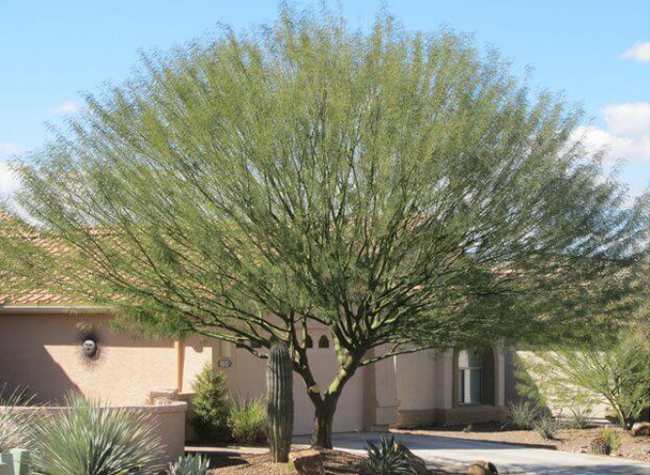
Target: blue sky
[(597, 52)]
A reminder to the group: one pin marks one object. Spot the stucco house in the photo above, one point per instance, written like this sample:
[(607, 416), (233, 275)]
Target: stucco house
[(40, 348), (42, 339)]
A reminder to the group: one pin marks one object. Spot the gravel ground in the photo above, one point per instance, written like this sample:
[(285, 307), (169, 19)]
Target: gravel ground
[(568, 440), (336, 463)]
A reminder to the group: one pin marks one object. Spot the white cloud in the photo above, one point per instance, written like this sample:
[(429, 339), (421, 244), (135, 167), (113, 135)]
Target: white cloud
[(9, 148), (8, 180), (639, 52), (626, 136), (630, 119), (66, 107)]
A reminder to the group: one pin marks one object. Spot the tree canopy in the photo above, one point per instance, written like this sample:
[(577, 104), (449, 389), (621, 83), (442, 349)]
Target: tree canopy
[(402, 189)]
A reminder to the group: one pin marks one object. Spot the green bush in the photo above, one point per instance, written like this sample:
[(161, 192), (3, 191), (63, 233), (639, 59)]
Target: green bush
[(547, 426), (247, 421), (93, 440), (211, 405), (612, 438), (579, 418), (521, 416), (386, 458)]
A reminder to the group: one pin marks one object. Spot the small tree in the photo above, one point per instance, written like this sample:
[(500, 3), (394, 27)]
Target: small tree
[(211, 405), (612, 369), (398, 188)]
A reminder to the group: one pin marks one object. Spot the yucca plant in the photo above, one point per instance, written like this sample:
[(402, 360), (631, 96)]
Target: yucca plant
[(15, 425), (385, 457), (579, 418), (522, 416), (190, 465), (89, 439), (547, 426)]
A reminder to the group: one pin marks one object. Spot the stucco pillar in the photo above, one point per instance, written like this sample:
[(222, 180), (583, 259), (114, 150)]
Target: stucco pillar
[(500, 375), (380, 395), (445, 375), (179, 347)]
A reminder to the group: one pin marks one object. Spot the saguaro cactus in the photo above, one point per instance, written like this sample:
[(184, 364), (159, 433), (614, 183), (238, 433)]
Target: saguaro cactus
[(279, 388)]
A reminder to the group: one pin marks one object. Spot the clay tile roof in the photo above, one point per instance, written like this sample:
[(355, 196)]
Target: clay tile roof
[(56, 249)]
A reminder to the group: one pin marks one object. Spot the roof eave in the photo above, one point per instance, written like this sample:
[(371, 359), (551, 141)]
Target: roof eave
[(49, 309)]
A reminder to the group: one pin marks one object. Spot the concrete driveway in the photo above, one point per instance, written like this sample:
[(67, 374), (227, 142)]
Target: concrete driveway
[(460, 453)]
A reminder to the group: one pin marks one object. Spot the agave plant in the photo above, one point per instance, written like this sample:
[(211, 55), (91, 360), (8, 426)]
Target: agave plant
[(89, 439), (386, 458), (15, 425), (189, 465)]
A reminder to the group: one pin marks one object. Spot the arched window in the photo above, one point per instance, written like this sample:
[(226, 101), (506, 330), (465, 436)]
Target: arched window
[(323, 342), (470, 375), (309, 343)]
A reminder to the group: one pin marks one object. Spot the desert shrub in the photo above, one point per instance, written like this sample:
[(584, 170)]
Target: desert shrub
[(612, 438), (189, 465), (547, 426), (610, 368), (211, 404), (15, 426), (247, 421), (521, 416), (579, 418), (92, 440), (385, 457)]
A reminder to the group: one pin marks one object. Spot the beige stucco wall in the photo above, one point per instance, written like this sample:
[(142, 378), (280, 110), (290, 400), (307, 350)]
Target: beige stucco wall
[(42, 352), (247, 379), (417, 385), (168, 422), (427, 394)]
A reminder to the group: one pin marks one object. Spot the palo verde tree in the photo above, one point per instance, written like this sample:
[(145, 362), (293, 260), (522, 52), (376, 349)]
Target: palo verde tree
[(403, 190)]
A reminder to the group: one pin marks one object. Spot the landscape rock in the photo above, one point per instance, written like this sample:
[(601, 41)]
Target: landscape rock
[(308, 462), (641, 428), (483, 468)]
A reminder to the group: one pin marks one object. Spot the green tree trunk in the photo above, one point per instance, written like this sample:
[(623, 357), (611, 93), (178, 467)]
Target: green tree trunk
[(321, 436)]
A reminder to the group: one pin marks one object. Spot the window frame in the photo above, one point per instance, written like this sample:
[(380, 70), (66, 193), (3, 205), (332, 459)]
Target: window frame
[(461, 370)]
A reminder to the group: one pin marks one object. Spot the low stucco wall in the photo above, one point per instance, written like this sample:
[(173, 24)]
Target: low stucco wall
[(168, 420)]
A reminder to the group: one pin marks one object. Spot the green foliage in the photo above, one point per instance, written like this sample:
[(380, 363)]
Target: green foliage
[(247, 421), (521, 415), (386, 458), (612, 369), (400, 188), (190, 465), (547, 426), (579, 418), (89, 439), (612, 438), (211, 405), (16, 426)]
